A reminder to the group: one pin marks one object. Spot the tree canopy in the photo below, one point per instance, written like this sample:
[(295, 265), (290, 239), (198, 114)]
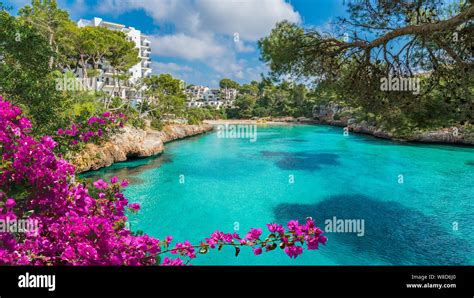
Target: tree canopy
[(421, 40), (228, 83)]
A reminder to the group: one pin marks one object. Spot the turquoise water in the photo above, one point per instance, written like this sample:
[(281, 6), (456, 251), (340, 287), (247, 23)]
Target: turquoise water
[(234, 183)]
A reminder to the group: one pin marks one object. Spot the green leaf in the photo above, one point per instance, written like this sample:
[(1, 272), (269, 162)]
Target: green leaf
[(272, 247), (237, 251), (158, 259)]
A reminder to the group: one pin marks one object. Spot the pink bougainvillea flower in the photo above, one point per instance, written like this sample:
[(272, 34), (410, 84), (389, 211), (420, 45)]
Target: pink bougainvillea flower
[(169, 262), (293, 251), (254, 234), (257, 251), (10, 203), (135, 207), (275, 228), (100, 184), (322, 239), (293, 225), (114, 179)]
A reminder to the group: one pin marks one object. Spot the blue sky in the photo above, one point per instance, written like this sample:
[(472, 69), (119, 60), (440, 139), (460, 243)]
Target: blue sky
[(195, 40)]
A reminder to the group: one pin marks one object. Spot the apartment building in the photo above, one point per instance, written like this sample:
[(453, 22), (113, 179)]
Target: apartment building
[(229, 93), (202, 96), (105, 81), (196, 93)]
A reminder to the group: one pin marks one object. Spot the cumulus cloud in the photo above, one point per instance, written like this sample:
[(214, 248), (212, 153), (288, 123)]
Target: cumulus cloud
[(241, 47), (204, 30), (187, 47), (251, 19), (161, 67)]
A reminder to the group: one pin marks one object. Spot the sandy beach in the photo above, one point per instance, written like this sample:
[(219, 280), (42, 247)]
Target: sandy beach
[(246, 121)]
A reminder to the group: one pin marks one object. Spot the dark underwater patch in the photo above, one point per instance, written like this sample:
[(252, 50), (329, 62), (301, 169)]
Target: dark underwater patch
[(129, 170), (304, 161), (393, 233)]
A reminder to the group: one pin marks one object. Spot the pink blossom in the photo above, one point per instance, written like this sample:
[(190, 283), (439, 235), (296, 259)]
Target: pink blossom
[(257, 251), (100, 184), (293, 251), (293, 225), (275, 228), (135, 207), (254, 234), (169, 262), (10, 203)]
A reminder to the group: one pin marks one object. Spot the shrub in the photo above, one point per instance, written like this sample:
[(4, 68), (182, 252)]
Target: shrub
[(82, 224)]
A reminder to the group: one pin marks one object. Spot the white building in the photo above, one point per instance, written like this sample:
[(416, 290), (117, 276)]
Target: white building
[(197, 92), (202, 96), (212, 95), (105, 81), (229, 94)]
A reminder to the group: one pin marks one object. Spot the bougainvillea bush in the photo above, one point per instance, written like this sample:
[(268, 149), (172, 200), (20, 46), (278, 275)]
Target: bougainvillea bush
[(93, 130), (83, 224)]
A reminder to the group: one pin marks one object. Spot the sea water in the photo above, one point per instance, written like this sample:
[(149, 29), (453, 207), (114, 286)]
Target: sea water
[(416, 201)]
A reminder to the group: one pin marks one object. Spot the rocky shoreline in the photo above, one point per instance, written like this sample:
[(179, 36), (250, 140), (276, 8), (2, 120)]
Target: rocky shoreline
[(326, 115), (132, 143), (442, 136)]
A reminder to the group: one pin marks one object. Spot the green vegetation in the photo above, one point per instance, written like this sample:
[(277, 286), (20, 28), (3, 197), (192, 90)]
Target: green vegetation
[(228, 83), (430, 44), (270, 99), (42, 47)]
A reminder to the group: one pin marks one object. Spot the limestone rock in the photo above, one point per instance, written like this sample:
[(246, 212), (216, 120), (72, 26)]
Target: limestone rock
[(132, 142)]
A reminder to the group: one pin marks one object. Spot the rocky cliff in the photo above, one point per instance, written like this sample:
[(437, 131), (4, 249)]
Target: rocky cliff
[(132, 143), (326, 115)]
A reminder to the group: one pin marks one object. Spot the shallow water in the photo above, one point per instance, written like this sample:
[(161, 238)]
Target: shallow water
[(234, 183)]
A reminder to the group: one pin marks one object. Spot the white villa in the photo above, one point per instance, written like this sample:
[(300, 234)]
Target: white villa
[(105, 81), (202, 96)]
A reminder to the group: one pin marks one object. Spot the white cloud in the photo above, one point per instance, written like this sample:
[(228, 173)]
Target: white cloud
[(182, 72), (241, 47), (161, 67), (187, 47), (250, 18), (204, 30)]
